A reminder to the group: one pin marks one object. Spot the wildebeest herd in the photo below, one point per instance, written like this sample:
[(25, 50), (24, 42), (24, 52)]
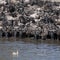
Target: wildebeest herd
[(30, 18)]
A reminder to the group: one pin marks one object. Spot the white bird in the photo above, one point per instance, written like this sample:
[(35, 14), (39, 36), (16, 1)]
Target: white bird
[(15, 53)]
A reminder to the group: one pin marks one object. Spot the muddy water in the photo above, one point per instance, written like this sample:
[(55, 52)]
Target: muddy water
[(23, 50)]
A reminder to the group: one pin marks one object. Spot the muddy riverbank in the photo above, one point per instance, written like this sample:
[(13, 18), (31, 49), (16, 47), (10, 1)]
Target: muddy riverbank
[(29, 40)]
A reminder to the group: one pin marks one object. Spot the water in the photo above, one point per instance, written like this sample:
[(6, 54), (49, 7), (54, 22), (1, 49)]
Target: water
[(20, 50)]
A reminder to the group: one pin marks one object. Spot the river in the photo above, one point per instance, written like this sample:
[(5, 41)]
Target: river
[(22, 50)]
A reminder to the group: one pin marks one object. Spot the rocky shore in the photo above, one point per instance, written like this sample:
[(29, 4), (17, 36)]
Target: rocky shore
[(30, 18)]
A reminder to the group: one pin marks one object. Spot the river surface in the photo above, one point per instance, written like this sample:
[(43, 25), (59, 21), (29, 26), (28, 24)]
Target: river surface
[(20, 50)]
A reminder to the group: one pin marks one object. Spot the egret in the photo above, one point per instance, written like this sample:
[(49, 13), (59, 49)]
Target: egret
[(15, 53)]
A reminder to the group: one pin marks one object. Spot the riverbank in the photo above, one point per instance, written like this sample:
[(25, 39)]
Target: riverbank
[(29, 40)]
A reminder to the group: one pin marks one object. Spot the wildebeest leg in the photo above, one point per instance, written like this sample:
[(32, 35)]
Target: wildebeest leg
[(0, 34), (55, 36)]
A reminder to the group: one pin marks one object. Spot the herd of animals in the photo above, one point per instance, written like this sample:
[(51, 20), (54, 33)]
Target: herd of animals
[(27, 18)]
